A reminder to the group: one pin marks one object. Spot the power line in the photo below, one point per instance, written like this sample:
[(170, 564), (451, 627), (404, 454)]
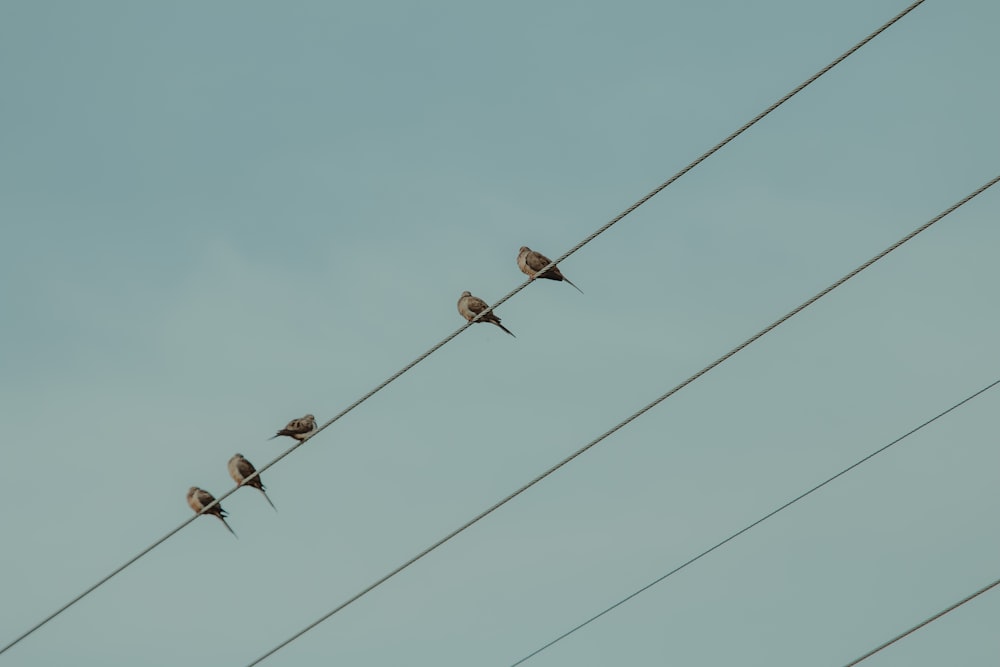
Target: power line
[(923, 623), (631, 418), (795, 91), (753, 525), (448, 339)]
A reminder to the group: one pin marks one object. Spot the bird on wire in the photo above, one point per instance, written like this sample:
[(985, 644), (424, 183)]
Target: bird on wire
[(300, 428), (531, 262), (240, 469), (199, 499), (469, 306)]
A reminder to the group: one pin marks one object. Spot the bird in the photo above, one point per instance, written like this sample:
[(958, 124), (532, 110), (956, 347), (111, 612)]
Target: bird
[(300, 428), (531, 262), (199, 499), (469, 306), (240, 469)]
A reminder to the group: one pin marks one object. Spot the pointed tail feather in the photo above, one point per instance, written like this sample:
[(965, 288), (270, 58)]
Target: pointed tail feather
[(226, 523), (571, 283), (268, 499), (503, 327)]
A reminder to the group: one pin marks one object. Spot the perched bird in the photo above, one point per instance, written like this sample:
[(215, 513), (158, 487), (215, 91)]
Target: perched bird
[(240, 469), (469, 306), (531, 262), (300, 428), (199, 499)]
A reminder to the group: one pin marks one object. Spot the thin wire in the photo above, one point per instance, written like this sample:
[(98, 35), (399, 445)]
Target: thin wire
[(923, 623), (101, 582), (627, 421), (753, 525), (795, 91), (490, 309)]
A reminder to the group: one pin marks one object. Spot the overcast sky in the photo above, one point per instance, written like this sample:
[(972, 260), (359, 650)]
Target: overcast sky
[(218, 216)]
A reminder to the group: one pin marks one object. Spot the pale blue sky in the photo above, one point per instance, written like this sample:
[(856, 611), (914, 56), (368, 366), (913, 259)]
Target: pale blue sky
[(219, 216)]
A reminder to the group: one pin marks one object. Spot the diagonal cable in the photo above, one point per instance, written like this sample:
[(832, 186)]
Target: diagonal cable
[(454, 334), (923, 623), (631, 418), (753, 525), (707, 154)]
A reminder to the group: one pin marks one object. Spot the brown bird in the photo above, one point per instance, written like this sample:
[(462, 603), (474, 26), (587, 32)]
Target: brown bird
[(300, 428), (469, 306), (531, 262), (240, 469), (199, 499)]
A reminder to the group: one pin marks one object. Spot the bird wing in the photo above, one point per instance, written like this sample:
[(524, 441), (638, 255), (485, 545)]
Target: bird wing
[(536, 261)]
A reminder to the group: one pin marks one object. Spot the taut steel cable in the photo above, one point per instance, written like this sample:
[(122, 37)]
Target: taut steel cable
[(453, 335), (631, 418), (753, 525), (923, 623)]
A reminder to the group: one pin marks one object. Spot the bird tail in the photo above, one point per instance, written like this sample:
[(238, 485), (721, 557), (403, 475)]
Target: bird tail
[(268, 499), (226, 523), (574, 286), (274, 436), (504, 328)]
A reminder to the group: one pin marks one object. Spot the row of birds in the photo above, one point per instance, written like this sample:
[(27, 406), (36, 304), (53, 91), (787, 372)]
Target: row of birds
[(469, 306), (530, 263), (241, 470)]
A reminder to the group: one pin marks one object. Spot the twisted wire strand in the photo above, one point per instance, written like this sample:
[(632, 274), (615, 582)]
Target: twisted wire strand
[(629, 419), (754, 525), (479, 317), (923, 623)]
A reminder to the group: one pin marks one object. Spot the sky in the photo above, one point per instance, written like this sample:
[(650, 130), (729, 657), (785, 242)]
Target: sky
[(216, 217)]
